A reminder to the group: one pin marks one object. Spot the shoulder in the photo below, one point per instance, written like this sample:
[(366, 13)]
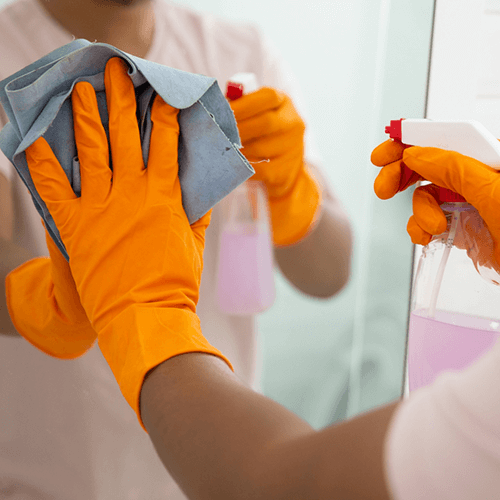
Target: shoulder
[(26, 34), (15, 17), (219, 38), (207, 23)]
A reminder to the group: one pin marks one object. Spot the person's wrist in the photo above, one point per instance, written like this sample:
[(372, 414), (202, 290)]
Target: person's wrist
[(143, 336), (294, 215)]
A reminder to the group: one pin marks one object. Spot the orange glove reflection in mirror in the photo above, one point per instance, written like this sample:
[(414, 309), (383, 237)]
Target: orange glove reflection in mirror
[(134, 257), (478, 183), (45, 307), (272, 135)]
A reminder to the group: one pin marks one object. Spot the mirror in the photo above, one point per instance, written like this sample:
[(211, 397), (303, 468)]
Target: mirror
[(467, 85), (358, 65)]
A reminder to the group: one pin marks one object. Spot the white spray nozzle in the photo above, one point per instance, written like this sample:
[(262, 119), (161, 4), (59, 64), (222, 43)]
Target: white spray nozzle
[(467, 137)]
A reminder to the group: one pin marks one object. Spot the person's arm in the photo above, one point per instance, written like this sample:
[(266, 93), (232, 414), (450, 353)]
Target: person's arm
[(311, 232), (247, 446), (11, 255), (320, 264)]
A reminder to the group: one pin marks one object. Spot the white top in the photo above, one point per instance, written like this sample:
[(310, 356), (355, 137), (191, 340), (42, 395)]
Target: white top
[(65, 429), (444, 441)]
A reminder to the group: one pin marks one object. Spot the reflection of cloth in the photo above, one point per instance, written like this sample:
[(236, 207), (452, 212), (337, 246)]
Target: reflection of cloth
[(444, 441), (65, 428), (37, 101)]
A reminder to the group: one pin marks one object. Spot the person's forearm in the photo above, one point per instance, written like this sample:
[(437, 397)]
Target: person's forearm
[(320, 264), (208, 430), (219, 439), (12, 256)]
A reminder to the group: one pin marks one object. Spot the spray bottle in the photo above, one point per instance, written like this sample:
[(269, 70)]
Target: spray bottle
[(245, 274), (454, 313)]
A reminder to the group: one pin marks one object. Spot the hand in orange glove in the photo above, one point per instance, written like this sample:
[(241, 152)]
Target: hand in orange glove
[(135, 259), (272, 135), (478, 183), (45, 307)]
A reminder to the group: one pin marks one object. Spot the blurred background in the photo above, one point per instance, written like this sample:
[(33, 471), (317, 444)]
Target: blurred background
[(359, 63)]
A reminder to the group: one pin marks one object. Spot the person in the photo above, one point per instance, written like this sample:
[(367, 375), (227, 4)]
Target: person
[(58, 433), (217, 437)]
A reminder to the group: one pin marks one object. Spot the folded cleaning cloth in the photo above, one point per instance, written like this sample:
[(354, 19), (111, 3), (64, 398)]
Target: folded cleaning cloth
[(37, 100)]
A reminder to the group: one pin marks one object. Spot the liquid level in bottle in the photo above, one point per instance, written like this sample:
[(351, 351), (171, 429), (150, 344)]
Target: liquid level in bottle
[(449, 341)]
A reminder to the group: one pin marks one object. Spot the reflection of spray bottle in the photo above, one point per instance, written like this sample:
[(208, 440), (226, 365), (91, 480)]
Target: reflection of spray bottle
[(245, 275), (455, 316)]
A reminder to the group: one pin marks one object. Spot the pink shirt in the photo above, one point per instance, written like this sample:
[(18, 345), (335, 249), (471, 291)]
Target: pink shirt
[(66, 431), (444, 441)]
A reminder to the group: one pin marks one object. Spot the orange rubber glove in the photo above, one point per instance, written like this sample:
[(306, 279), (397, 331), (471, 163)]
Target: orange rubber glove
[(478, 183), (135, 259), (45, 307), (271, 129)]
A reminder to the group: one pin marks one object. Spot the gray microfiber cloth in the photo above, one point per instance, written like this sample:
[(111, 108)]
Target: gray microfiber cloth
[(37, 100)]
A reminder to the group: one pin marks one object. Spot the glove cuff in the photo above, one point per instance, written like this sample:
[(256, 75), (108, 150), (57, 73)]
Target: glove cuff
[(142, 337), (36, 315), (295, 214)]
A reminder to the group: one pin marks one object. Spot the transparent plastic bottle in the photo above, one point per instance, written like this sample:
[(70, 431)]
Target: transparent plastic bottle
[(455, 304), (245, 273), (245, 270)]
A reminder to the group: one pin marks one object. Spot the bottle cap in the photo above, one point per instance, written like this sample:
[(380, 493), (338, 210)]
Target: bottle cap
[(234, 90), (394, 129), (447, 195), (239, 84)]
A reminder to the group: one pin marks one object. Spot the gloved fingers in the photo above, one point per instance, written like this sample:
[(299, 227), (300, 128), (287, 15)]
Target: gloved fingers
[(270, 145), (448, 169), (417, 234), (426, 209), (393, 178), (255, 103), (91, 143), (278, 120), (387, 152), (124, 136), (280, 173), (163, 166), (386, 183), (51, 181)]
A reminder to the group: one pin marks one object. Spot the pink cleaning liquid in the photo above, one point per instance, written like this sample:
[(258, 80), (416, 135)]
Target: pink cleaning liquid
[(245, 278), (449, 341)]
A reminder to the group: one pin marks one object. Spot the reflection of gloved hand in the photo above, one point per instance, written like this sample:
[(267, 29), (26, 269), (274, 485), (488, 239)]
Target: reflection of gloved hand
[(135, 259), (475, 181), (271, 129), (45, 307)]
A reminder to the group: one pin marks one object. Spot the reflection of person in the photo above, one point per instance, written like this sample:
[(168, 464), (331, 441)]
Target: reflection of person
[(217, 437), (67, 436)]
